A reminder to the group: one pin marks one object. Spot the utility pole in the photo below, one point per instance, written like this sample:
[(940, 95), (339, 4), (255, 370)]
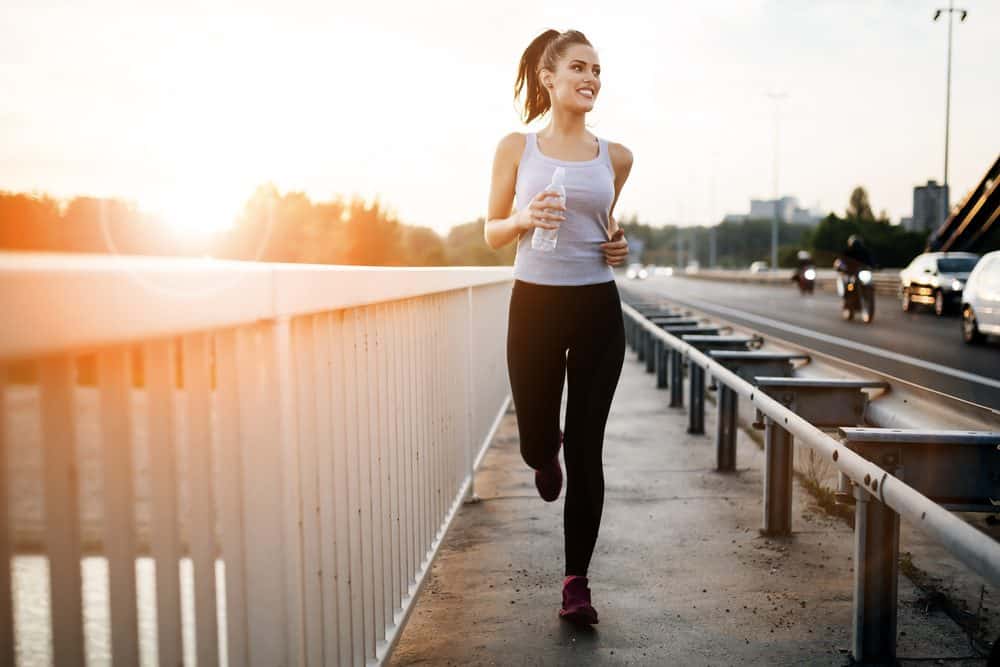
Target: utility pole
[(776, 98), (712, 221), (947, 103)]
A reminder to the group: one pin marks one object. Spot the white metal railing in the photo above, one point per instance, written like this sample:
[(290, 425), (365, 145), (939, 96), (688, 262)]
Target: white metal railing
[(301, 435)]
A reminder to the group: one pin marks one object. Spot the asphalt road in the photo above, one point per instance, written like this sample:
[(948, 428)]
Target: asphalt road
[(918, 346)]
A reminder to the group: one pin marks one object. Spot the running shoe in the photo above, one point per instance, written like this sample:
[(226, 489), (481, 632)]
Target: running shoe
[(576, 606), (549, 480)]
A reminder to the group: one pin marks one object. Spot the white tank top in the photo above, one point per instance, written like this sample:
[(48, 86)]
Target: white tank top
[(590, 190)]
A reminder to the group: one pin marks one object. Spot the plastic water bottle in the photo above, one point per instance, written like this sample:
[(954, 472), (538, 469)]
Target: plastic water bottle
[(545, 239)]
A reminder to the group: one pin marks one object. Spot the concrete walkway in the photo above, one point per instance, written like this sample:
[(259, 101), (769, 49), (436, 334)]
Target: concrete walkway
[(680, 576)]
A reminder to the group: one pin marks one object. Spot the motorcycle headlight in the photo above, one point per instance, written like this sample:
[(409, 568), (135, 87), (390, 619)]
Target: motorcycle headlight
[(631, 273), (957, 285), (643, 273), (810, 274), (865, 276)]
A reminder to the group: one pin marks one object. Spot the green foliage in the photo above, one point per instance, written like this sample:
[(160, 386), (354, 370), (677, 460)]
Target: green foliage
[(737, 244), (86, 224), (290, 227), (858, 206), (272, 227), (891, 245), (466, 246)]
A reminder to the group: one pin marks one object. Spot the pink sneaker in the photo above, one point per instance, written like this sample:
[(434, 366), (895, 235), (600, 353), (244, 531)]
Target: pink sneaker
[(549, 479), (576, 605)]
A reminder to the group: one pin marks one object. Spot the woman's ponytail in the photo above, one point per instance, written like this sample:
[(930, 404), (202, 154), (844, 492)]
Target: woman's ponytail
[(543, 52)]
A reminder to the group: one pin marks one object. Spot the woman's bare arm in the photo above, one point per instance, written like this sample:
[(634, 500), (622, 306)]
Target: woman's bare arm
[(503, 225), (621, 160)]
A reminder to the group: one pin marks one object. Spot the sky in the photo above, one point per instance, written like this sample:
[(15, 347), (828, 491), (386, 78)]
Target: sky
[(185, 107)]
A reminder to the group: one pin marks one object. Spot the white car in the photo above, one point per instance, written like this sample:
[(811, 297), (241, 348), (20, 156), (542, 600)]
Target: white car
[(636, 271), (759, 267), (981, 300), (936, 279)]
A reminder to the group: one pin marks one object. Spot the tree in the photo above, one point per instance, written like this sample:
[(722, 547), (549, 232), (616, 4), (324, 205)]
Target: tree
[(859, 208)]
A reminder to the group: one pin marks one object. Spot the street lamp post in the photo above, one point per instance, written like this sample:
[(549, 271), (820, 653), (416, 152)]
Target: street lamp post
[(776, 98), (947, 104)]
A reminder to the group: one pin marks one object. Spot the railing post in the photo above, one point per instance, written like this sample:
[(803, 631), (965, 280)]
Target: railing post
[(661, 364), (876, 574), (281, 378), (6, 542), (57, 380), (640, 348), (779, 451), (650, 355), (676, 380), (696, 409), (469, 397), (725, 436)]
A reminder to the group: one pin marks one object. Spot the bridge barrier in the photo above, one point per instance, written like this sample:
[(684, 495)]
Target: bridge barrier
[(796, 409), (301, 435), (887, 282)]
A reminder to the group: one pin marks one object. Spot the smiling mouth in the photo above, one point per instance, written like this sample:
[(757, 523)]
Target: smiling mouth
[(586, 92)]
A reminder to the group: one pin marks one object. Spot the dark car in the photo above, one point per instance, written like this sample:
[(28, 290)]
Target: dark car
[(936, 279)]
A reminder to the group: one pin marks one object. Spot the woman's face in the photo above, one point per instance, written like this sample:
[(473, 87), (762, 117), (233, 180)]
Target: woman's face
[(577, 80)]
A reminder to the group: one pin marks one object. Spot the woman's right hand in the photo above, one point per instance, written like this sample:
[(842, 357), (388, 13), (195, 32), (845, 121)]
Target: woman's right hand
[(545, 212)]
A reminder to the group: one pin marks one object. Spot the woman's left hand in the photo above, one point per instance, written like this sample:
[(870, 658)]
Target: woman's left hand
[(615, 250)]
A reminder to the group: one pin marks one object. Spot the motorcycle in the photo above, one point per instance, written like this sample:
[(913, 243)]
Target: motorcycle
[(857, 291), (806, 279)]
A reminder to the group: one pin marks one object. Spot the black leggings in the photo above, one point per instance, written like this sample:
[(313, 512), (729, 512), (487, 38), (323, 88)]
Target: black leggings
[(546, 322)]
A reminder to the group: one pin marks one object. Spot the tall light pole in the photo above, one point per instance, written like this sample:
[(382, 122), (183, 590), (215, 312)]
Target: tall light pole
[(714, 224), (947, 104), (776, 98)]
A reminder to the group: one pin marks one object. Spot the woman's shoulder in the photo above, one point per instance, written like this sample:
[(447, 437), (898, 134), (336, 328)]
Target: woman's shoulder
[(621, 157), (513, 142), (510, 149)]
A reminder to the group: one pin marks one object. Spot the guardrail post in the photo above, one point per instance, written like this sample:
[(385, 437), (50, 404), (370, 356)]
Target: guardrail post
[(676, 379), (641, 343), (696, 410), (650, 352), (661, 364), (725, 436), (779, 451), (876, 573)]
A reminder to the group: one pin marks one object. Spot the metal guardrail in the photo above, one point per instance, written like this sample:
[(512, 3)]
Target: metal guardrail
[(882, 497), (887, 282)]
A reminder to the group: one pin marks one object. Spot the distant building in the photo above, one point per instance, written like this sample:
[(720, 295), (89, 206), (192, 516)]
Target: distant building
[(787, 208), (930, 207)]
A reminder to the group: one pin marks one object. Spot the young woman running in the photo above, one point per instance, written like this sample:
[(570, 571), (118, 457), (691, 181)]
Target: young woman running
[(565, 316)]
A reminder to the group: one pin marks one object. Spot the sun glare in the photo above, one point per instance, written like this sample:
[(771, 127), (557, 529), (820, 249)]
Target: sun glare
[(197, 218)]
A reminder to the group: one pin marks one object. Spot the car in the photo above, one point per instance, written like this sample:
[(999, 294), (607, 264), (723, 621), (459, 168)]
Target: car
[(981, 300), (759, 267), (636, 271), (692, 267), (936, 279)]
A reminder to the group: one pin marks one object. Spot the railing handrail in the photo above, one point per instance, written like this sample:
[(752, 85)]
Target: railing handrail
[(54, 302), (977, 550)]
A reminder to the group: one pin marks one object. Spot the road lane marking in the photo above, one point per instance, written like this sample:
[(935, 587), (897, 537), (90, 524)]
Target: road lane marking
[(835, 340)]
